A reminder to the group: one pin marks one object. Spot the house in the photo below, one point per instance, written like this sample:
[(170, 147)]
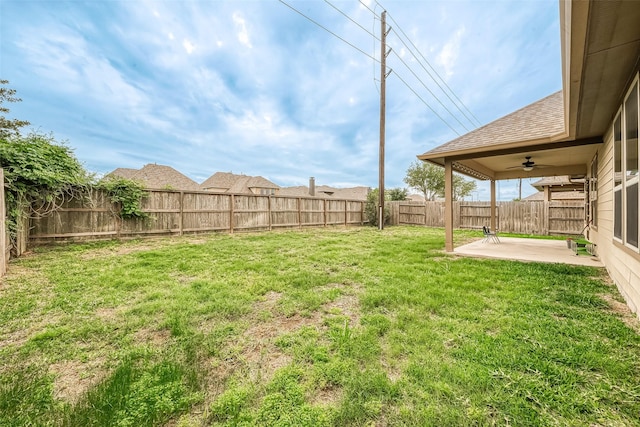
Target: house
[(588, 130), (326, 192), (557, 188), (159, 177), (227, 182)]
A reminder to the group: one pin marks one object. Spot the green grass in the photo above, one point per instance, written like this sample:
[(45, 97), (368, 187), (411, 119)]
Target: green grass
[(327, 327)]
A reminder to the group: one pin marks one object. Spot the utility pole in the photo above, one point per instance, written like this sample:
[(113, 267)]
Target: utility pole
[(519, 189), (383, 86)]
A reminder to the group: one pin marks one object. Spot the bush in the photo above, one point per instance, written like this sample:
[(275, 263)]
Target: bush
[(372, 207)]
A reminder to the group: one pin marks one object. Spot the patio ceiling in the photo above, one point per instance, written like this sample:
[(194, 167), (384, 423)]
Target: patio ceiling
[(600, 48)]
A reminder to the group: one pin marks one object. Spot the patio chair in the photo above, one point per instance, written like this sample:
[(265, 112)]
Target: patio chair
[(489, 236)]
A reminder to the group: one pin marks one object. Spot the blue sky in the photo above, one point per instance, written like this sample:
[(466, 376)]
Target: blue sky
[(253, 87)]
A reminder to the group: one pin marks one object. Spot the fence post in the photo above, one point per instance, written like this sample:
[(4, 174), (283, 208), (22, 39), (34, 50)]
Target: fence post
[(231, 204), (346, 214), (545, 214), (324, 211), (269, 212), (300, 212), (181, 219)]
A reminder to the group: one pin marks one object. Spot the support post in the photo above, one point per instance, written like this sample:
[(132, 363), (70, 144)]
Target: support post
[(448, 205), (492, 220)]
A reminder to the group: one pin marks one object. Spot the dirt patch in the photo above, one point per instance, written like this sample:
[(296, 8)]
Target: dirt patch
[(74, 378), (345, 305), (149, 243), (329, 396), (259, 351), (107, 314), (152, 336), (623, 311), (35, 325)]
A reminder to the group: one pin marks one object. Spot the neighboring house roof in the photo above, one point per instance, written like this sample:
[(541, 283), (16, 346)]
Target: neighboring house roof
[(260, 182), (416, 197), (158, 177), (219, 180), (234, 183), (558, 183), (127, 173), (325, 191), (543, 119), (299, 191), (556, 196)]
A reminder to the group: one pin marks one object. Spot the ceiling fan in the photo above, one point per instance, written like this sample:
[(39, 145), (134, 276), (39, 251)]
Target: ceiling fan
[(527, 165)]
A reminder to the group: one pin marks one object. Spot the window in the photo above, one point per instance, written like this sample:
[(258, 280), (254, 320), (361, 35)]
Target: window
[(625, 169), (617, 178)]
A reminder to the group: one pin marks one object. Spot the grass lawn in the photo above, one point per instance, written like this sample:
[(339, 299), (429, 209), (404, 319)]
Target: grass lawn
[(311, 328)]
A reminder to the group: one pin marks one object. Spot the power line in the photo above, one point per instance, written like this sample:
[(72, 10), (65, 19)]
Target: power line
[(425, 103), (352, 20), (370, 10), (329, 31), (429, 90), (477, 123)]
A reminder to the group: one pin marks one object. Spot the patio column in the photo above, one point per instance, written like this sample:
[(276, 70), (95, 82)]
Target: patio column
[(547, 193), (448, 205), (492, 214)]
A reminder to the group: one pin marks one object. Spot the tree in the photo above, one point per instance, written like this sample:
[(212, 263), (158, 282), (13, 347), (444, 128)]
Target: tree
[(429, 180), (9, 127), (461, 187), (396, 194), (426, 178)]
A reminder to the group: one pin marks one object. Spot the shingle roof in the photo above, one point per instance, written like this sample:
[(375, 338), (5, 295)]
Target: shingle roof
[(220, 180), (127, 173), (234, 183), (325, 191), (260, 182), (557, 183), (299, 191), (158, 177), (556, 196), (542, 119)]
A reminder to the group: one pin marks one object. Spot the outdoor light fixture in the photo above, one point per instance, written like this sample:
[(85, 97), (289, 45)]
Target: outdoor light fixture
[(527, 168)]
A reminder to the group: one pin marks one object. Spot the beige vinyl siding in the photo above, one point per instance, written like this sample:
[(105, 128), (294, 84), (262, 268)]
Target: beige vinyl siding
[(622, 266)]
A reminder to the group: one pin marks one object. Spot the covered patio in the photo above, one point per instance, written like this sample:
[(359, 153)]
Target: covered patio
[(561, 134), (528, 250)]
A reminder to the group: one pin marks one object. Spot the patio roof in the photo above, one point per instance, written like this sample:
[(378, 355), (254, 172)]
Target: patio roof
[(600, 49)]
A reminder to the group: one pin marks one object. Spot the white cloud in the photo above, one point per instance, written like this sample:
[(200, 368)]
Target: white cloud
[(188, 46), (171, 36), (449, 53), (241, 26)]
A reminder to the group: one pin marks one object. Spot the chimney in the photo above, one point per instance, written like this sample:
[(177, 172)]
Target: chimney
[(312, 186)]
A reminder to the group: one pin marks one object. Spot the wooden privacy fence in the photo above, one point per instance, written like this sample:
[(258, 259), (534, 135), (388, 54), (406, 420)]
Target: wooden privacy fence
[(542, 218), (178, 212)]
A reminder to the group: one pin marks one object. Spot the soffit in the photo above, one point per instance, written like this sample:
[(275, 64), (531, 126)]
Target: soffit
[(610, 60)]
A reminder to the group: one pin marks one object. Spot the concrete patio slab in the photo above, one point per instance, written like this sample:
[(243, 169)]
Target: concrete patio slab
[(537, 250)]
